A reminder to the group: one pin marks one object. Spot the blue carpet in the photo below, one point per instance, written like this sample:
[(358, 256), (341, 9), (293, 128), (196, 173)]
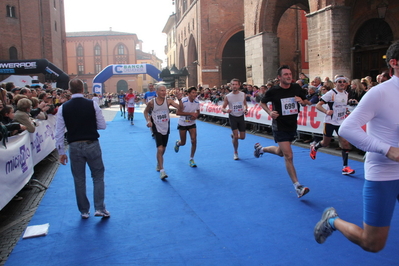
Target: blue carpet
[(224, 212)]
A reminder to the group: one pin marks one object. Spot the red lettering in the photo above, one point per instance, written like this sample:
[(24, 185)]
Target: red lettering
[(312, 115)]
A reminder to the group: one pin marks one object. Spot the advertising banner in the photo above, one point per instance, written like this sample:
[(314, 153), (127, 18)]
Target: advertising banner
[(23, 152), (309, 118)]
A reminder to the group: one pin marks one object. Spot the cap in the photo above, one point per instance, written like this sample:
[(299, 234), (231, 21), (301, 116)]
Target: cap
[(15, 89)]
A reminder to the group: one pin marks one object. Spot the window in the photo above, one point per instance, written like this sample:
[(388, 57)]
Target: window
[(55, 6), (55, 25), (97, 50), (81, 69), (98, 68), (11, 11), (13, 53), (121, 50), (79, 51)]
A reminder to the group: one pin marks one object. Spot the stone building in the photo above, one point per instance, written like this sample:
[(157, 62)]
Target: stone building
[(250, 39), (34, 29)]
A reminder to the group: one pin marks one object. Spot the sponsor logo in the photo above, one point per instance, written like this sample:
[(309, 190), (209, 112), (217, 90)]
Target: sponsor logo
[(35, 144), (26, 65), (130, 69), (18, 161)]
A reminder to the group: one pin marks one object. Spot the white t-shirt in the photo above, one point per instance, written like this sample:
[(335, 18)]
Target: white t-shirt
[(188, 107), (338, 102), (379, 109)]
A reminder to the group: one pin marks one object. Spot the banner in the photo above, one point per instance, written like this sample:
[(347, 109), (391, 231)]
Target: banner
[(23, 152), (309, 120)]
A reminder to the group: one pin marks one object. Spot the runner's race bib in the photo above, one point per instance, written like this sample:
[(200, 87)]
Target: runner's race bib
[(289, 106)]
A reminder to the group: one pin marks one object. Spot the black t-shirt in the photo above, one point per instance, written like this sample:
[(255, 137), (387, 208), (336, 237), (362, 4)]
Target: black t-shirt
[(283, 101)]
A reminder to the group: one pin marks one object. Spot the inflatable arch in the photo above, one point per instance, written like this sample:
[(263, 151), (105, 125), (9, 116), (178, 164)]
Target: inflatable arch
[(123, 69), (35, 66)]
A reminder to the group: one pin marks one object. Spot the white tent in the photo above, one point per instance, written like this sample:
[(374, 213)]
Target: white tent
[(19, 81)]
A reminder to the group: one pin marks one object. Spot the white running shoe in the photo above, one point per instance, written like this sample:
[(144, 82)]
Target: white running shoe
[(236, 156)]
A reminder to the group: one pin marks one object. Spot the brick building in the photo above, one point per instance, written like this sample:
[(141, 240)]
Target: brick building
[(250, 39), (34, 29), (146, 58), (91, 51)]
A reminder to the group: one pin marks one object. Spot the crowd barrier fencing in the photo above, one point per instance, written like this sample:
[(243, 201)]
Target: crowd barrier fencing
[(22, 153)]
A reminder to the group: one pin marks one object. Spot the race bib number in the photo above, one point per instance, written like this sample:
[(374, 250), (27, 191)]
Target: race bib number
[(237, 107), (289, 106), (340, 113), (187, 119), (161, 117)]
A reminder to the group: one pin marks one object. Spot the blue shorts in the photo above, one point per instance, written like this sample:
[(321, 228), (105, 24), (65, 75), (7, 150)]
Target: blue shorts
[(280, 136), (379, 198)]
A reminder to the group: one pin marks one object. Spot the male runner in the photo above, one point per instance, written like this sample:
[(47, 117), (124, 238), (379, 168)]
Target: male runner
[(337, 103), (122, 103), (157, 115), (285, 99), (378, 109), (237, 109), (189, 112), (150, 94), (130, 99)]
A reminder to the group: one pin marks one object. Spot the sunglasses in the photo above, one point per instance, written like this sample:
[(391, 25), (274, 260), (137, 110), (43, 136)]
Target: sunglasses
[(341, 81)]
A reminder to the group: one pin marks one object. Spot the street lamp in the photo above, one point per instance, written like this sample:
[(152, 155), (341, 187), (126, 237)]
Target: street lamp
[(382, 10)]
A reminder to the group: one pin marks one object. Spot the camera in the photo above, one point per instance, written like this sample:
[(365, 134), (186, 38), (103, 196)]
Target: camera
[(352, 102)]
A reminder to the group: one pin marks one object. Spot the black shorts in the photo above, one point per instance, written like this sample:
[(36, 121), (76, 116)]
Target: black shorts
[(280, 136), (179, 127), (160, 140), (329, 130), (237, 122)]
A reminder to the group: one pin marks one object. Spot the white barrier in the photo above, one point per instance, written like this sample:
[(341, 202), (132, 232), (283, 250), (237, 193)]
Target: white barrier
[(23, 152), (309, 119)]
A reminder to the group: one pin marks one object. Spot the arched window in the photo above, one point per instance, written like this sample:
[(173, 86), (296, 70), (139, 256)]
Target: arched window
[(79, 51), (97, 50), (13, 53), (121, 49)]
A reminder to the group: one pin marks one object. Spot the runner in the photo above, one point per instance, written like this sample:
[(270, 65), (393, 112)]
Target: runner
[(378, 110), (337, 103), (237, 109), (285, 99), (189, 112), (148, 96), (130, 99), (157, 115), (122, 103)]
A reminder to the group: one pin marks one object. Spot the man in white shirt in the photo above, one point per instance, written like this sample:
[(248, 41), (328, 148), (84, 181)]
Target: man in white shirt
[(378, 109)]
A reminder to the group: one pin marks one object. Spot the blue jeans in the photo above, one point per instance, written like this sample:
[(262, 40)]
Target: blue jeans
[(81, 153)]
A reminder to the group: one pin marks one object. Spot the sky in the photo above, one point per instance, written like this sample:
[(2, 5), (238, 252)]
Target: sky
[(145, 18)]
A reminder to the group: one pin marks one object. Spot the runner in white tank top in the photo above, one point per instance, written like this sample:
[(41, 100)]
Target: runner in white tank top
[(157, 115)]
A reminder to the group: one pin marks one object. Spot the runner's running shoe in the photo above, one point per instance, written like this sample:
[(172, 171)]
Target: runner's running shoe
[(177, 146), (258, 148), (236, 156), (347, 171), (301, 191), (312, 152), (323, 229), (163, 175), (192, 163)]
